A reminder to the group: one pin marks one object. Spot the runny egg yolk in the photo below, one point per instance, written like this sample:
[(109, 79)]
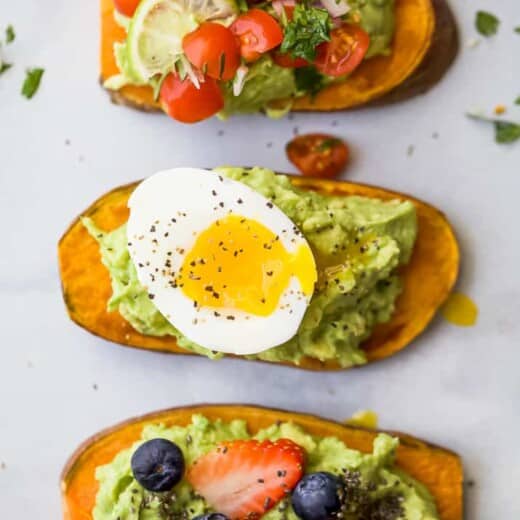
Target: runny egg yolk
[(238, 263)]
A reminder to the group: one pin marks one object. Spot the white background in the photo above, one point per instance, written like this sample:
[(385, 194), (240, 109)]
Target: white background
[(457, 387)]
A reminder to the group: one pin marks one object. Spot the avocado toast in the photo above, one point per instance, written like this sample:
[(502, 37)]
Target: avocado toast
[(403, 49), (223, 443), (410, 248)]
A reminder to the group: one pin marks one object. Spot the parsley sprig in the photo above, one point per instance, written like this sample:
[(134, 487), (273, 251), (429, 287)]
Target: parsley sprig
[(486, 23), (309, 27), (505, 131)]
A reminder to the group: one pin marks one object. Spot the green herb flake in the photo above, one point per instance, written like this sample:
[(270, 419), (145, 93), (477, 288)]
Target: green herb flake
[(506, 132), (309, 27), (308, 80), (486, 23), (32, 82), (10, 35), (4, 67), (517, 101), (517, 29), (328, 144)]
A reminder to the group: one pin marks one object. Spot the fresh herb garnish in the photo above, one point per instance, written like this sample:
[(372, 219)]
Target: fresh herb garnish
[(32, 82), (309, 80), (309, 27), (9, 34), (328, 144), (517, 29), (5, 66), (486, 23), (505, 131)]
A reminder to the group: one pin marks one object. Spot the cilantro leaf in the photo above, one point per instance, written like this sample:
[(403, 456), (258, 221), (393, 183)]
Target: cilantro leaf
[(517, 101), (32, 82), (486, 23), (5, 66), (10, 35), (517, 29), (309, 27), (308, 80), (506, 132)]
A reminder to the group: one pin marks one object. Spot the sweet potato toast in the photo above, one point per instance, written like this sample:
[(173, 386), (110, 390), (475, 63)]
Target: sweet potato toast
[(428, 278), (424, 46), (438, 469)]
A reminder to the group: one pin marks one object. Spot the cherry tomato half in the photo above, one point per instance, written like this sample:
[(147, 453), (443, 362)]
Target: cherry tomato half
[(318, 155), (183, 101), (213, 48), (126, 7), (258, 32), (287, 61), (344, 52)]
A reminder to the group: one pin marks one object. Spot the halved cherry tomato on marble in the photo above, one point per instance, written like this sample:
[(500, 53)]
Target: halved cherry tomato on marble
[(183, 101), (213, 49), (287, 61), (344, 52), (126, 7), (318, 155), (257, 32)]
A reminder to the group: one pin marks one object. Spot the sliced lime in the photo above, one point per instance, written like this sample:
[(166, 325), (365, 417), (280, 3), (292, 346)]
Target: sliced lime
[(156, 31)]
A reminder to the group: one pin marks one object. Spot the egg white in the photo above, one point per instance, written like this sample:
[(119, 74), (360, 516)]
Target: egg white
[(167, 212)]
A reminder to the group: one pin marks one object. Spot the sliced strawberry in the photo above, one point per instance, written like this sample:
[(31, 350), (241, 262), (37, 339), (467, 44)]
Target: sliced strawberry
[(244, 479)]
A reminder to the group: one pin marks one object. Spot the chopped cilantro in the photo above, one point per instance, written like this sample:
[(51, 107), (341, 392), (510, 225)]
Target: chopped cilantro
[(486, 23), (9, 34), (329, 143), (4, 67), (308, 80), (517, 29), (517, 101), (32, 82), (506, 132), (309, 27)]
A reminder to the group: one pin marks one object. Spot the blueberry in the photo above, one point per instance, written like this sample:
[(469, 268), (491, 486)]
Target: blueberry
[(211, 516), (316, 497), (158, 465)]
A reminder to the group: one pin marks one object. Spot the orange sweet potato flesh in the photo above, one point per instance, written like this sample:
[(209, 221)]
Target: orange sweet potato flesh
[(424, 46), (438, 469), (428, 278)]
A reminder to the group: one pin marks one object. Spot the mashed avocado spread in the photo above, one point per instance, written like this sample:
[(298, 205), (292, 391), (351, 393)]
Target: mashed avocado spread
[(373, 475), (358, 244)]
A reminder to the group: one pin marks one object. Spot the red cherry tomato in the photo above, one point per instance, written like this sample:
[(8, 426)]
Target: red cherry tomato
[(318, 155), (287, 61), (257, 32), (213, 48), (126, 7), (183, 101), (344, 52)]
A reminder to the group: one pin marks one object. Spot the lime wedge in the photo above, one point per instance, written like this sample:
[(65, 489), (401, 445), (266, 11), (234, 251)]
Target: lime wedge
[(154, 41)]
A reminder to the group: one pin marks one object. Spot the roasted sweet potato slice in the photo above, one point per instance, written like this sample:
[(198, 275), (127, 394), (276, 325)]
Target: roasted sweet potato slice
[(438, 469), (428, 278), (424, 46)]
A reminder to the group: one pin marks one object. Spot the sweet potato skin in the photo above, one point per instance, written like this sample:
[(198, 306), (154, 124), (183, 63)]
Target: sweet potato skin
[(440, 470), (428, 278), (424, 47)]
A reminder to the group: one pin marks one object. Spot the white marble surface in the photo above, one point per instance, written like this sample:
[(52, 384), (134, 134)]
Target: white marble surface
[(457, 387)]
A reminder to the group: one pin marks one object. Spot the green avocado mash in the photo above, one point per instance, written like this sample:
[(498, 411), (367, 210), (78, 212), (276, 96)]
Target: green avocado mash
[(121, 497), (358, 243)]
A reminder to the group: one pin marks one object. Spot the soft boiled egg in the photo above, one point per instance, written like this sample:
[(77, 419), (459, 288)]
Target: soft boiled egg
[(222, 263)]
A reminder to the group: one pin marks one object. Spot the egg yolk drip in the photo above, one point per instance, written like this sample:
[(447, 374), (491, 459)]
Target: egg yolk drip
[(238, 263)]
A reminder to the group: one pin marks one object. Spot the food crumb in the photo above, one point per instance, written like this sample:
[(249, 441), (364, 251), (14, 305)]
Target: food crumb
[(435, 135), (470, 483), (334, 123), (500, 109), (473, 42), (220, 133), (269, 144), (67, 142), (410, 150), (81, 159), (30, 364), (3, 465), (296, 130), (95, 386)]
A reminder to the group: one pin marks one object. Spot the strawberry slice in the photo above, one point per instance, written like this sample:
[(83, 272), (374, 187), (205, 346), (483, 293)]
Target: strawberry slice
[(244, 479)]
